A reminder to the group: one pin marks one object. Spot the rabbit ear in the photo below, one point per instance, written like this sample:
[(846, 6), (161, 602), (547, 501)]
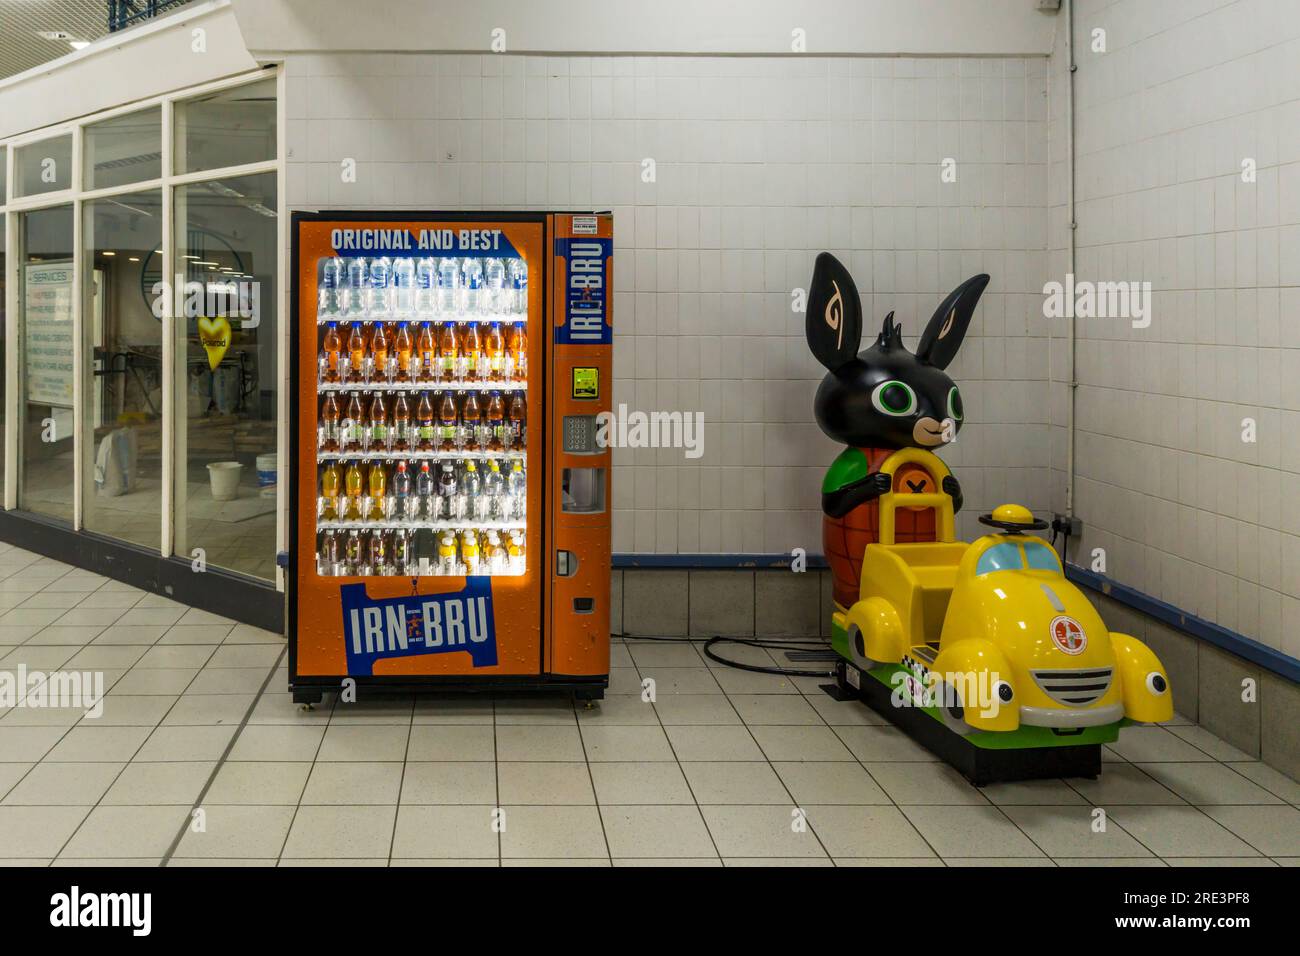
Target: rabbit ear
[(834, 318), (947, 327)]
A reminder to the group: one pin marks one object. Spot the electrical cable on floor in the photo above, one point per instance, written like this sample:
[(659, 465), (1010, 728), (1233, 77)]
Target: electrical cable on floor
[(782, 644)]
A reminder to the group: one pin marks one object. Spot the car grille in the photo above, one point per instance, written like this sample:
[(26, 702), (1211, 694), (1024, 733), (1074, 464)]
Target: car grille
[(1074, 688)]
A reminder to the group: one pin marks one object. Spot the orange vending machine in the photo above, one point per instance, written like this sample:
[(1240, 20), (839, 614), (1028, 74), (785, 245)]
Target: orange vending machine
[(450, 522)]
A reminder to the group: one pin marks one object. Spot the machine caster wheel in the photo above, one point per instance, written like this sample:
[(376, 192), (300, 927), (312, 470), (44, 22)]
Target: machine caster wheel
[(307, 698)]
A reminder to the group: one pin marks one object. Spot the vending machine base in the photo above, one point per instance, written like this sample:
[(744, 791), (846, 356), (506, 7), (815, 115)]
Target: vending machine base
[(979, 765), (582, 688)]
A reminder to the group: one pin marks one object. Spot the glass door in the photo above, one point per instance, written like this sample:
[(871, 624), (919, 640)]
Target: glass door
[(418, 505), (47, 464)]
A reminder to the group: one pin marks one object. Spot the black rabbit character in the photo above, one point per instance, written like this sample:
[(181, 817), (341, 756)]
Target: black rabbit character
[(875, 402)]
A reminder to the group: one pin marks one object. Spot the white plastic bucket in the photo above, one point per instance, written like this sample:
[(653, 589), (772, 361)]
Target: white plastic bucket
[(266, 469), (224, 476)]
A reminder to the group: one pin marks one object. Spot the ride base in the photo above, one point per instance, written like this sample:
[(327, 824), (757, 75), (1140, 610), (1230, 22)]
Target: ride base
[(1031, 753)]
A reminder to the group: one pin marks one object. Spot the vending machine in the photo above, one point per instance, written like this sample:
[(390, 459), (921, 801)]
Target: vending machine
[(450, 524)]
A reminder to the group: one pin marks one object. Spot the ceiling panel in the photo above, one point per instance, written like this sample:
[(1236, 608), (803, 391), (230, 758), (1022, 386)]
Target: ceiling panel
[(22, 22)]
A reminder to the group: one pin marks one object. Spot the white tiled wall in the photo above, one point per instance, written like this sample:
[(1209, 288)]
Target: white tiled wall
[(1184, 509), (760, 164)]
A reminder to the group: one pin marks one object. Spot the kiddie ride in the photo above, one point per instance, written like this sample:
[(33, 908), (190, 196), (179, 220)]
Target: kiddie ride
[(984, 652)]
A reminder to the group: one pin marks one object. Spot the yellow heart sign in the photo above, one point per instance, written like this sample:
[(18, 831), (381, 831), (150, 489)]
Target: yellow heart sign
[(214, 336)]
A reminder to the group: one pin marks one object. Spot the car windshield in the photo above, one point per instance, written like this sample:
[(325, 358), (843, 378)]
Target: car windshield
[(1041, 557), (1000, 557)]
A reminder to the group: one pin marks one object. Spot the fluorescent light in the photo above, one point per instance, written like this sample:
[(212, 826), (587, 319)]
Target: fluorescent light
[(78, 44), (110, 253)]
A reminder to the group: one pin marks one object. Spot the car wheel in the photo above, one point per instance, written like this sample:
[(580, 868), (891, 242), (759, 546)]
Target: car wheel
[(950, 709), (858, 651)]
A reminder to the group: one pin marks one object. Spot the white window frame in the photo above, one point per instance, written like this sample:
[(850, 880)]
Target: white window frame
[(167, 183)]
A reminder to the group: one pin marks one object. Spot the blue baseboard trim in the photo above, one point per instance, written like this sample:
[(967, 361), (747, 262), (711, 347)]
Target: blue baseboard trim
[(711, 562), (1244, 647)]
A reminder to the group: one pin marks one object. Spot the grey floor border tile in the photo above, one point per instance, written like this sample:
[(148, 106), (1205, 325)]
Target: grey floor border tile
[(225, 755)]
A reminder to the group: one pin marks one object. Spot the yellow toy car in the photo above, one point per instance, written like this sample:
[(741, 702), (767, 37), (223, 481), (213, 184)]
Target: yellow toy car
[(989, 637)]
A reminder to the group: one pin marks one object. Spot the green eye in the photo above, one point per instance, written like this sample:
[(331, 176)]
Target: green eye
[(954, 404), (894, 398)]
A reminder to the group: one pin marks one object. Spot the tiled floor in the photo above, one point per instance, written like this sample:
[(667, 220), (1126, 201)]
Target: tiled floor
[(724, 767)]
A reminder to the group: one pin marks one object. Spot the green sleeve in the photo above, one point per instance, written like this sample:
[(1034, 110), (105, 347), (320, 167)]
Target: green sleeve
[(849, 465)]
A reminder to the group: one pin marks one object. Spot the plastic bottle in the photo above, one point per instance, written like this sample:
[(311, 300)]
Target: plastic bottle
[(403, 295), (379, 353), (476, 504), (448, 353), (517, 353), (354, 292), (515, 553), (469, 551), (331, 483), (381, 277), (492, 299), (471, 351), (518, 421), (447, 554), (329, 553), (519, 286), (352, 554), (377, 485), (356, 353), (496, 415), (426, 355), (403, 348), (471, 420), (400, 551), (353, 487), (424, 418), (424, 491), (516, 493), (350, 426), (447, 489), (494, 553), (331, 280), (448, 298), (495, 347), (377, 431), (331, 348), (495, 491), (401, 423), (426, 286), (329, 418), (472, 286), (378, 552), (401, 490), (448, 422)]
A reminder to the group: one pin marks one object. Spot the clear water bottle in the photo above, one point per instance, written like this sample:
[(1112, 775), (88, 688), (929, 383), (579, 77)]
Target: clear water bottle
[(516, 492), (331, 281), (381, 279), (354, 288), (426, 286), (518, 287), (448, 286), (403, 298), (472, 286), (494, 286), (495, 492), (476, 504)]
